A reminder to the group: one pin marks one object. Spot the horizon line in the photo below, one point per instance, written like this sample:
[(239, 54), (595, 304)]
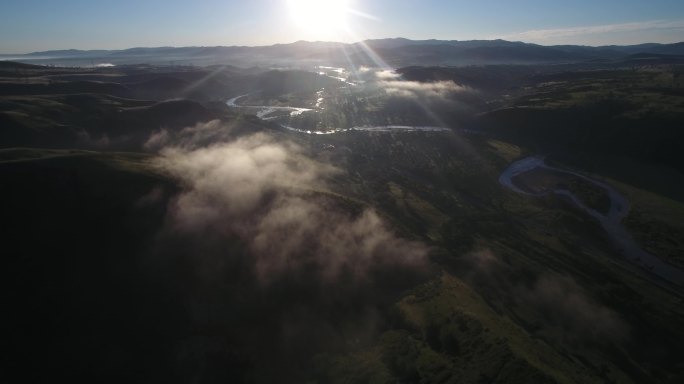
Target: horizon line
[(327, 42)]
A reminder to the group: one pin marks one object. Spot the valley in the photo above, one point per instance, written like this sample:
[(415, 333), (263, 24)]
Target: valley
[(425, 224)]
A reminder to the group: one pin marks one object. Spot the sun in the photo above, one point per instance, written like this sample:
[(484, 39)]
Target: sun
[(321, 18)]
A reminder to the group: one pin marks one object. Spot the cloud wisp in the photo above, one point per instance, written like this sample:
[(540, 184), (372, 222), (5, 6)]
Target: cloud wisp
[(597, 31), (266, 257), (394, 85), (565, 311), (268, 195)]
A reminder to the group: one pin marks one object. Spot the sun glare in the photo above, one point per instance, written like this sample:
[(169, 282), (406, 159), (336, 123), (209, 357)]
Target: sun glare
[(322, 18)]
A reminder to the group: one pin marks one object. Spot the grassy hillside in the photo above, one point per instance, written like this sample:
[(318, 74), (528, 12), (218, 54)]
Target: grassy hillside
[(181, 260), (105, 108), (634, 113), (507, 248)]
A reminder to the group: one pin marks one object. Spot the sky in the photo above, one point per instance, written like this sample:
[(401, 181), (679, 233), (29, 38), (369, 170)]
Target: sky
[(36, 25)]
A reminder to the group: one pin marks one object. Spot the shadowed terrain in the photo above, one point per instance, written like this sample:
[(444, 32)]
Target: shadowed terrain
[(340, 226)]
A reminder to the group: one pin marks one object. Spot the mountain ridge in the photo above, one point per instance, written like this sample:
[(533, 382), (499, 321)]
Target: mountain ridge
[(396, 52), (397, 41)]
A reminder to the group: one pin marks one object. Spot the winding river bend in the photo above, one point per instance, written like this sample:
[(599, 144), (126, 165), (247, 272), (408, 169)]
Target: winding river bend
[(265, 112), (611, 221)]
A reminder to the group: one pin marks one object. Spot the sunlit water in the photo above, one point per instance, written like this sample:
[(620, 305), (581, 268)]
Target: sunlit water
[(265, 113), (339, 74), (320, 99), (611, 222)]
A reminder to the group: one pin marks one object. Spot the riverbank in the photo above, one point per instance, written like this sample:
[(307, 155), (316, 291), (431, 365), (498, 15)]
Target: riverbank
[(611, 220)]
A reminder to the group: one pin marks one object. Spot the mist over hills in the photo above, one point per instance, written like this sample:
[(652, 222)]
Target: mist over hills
[(487, 212), (396, 52)]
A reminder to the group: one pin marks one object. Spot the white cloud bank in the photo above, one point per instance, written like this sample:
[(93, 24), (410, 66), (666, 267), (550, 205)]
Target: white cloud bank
[(395, 86), (263, 192)]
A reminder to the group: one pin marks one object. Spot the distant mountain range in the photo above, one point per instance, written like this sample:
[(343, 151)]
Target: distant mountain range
[(397, 52)]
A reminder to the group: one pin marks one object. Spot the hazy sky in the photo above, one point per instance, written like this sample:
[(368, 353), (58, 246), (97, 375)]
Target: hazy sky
[(32, 25)]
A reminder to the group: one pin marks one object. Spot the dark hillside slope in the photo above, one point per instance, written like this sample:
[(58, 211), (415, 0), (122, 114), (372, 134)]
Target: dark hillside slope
[(110, 108), (633, 113), (82, 300), (91, 121)]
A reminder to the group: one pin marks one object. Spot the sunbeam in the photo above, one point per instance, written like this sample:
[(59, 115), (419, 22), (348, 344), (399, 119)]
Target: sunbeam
[(320, 17)]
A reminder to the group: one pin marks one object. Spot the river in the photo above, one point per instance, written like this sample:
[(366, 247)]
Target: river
[(611, 222), (264, 112)]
